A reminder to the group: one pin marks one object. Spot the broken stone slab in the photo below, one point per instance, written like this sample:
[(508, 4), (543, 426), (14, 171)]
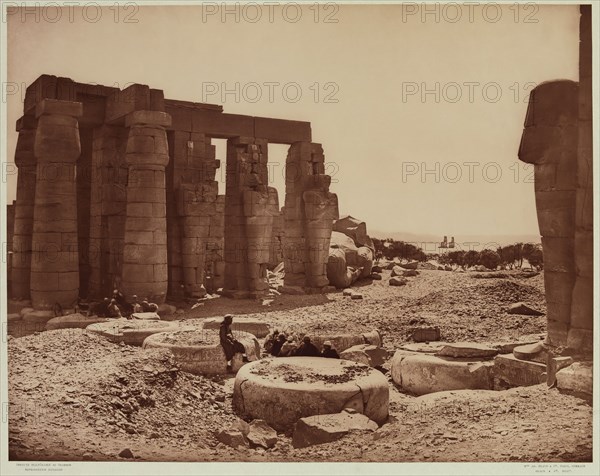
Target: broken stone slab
[(420, 374), (146, 316), (198, 351), (73, 321), (410, 265), (319, 429), (555, 364), (535, 352), (292, 290), (366, 354), (424, 347), (261, 434), (233, 438), (397, 281), (347, 292), (129, 331), (407, 273), (376, 276), (25, 310), (397, 271), (356, 295), (342, 342), (280, 391), (467, 350), (242, 324), (426, 334), (577, 379), (511, 372), (507, 346), (523, 309)]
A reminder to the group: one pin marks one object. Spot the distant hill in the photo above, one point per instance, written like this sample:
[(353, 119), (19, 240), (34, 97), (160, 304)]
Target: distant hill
[(429, 242)]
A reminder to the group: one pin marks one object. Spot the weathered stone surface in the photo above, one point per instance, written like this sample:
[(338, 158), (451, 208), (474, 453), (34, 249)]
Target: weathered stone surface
[(130, 332), (426, 334), (467, 350), (534, 352), (281, 391), (410, 265), (555, 364), (233, 438), (512, 372), (410, 273), (240, 324), (38, 316), (77, 321), (342, 342), (576, 378), (523, 309), (261, 434), (366, 354), (420, 374), (397, 281), (318, 429), (198, 351), (145, 316)]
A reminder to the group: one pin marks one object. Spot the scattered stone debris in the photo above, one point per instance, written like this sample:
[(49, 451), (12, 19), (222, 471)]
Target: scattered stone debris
[(523, 309), (126, 453), (397, 281), (426, 334)]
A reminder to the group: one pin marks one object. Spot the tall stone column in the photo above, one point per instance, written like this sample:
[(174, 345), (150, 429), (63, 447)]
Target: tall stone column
[(23, 227), (549, 142), (250, 206), (581, 333), (55, 256), (309, 213), (145, 248)]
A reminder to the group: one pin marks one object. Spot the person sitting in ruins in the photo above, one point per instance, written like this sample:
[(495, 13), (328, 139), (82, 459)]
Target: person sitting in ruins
[(124, 306), (230, 345), (149, 306), (289, 347), (113, 309), (270, 340), (307, 349), (100, 309), (277, 344), (328, 351), (137, 306)]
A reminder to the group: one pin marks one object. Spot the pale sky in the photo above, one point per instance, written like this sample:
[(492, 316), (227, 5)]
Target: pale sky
[(381, 134)]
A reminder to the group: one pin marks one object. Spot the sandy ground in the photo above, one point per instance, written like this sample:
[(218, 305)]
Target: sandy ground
[(75, 396)]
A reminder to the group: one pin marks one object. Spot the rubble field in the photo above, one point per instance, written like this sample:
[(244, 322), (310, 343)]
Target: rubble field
[(76, 396)]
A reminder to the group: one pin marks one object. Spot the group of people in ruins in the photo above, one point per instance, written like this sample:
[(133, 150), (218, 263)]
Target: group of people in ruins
[(277, 344), (282, 344), (117, 306)]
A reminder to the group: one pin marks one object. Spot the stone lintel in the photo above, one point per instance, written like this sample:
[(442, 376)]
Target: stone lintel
[(151, 118), (58, 107)]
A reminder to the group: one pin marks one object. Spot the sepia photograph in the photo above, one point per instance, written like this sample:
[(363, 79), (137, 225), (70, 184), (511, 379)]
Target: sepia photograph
[(339, 238)]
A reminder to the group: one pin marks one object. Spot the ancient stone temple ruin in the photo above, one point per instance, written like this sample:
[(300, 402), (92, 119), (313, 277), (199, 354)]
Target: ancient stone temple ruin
[(116, 189)]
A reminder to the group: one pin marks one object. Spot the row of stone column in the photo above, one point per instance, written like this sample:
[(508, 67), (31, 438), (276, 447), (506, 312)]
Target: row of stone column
[(46, 260)]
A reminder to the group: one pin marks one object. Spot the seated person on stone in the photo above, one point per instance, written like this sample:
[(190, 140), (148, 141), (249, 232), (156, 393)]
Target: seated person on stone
[(113, 309), (230, 345), (328, 351), (277, 344), (100, 309), (307, 349), (270, 340), (125, 307), (289, 347), (149, 306)]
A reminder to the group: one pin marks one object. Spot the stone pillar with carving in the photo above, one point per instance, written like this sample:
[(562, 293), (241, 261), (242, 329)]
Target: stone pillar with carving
[(23, 226), (309, 212), (144, 271), (249, 209), (55, 256)]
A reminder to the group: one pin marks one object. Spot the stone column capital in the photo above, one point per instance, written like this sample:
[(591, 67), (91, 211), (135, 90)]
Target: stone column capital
[(148, 118)]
